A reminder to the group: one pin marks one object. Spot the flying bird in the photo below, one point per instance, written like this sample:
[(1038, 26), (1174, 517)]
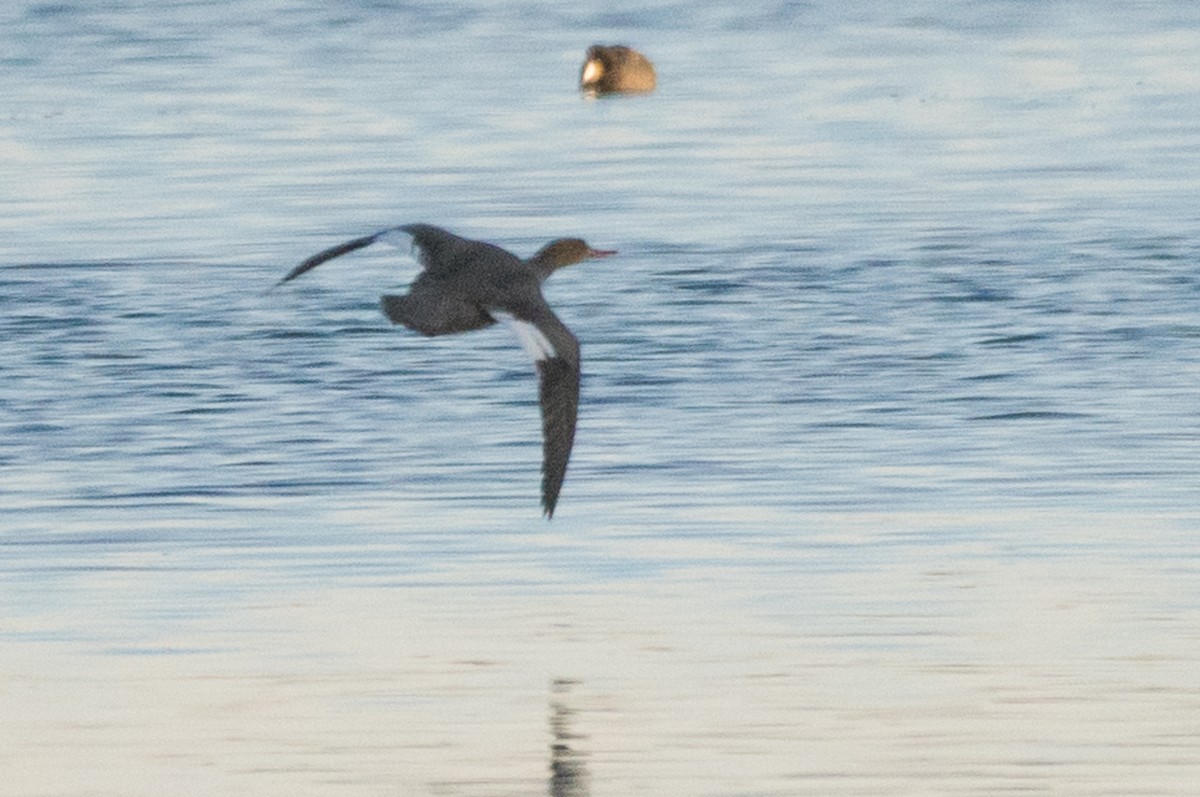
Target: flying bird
[(467, 285)]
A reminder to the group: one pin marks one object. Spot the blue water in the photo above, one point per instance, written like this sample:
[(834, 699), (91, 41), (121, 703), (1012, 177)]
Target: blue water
[(885, 477)]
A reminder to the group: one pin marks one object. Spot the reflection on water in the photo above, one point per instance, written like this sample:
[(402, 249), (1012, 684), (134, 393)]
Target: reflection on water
[(568, 762), (885, 477)]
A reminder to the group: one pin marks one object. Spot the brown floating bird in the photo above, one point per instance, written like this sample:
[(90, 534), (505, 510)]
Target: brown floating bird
[(616, 69), (468, 285)]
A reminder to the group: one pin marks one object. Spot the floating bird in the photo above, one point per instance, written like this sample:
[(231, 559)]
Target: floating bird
[(467, 285), (615, 69)]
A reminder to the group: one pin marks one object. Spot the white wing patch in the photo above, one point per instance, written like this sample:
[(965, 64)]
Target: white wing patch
[(535, 344)]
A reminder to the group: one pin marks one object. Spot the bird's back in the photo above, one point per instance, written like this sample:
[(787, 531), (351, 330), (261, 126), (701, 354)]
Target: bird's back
[(476, 271)]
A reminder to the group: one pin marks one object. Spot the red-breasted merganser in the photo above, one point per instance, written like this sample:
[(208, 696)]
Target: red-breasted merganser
[(467, 285)]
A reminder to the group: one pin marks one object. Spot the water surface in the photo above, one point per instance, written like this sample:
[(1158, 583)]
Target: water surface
[(885, 473)]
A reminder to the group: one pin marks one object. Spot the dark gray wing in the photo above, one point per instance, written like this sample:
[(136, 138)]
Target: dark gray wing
[(331, 253), (555, 350), (558, 393), (432, 308), (433, 245)]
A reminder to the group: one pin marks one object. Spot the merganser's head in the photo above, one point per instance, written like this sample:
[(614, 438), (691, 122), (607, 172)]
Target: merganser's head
[(566, 252)]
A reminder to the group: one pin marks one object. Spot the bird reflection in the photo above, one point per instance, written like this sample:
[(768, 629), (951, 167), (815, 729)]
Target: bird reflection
[(568, 769)]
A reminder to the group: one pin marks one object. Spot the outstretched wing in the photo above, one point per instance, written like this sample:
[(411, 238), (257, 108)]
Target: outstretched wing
[(558, 394), (555, 351), (426, 239), (331, 253)]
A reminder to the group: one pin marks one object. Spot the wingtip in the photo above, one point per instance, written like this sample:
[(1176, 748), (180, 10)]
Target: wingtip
[(559, 398), (329, 254)]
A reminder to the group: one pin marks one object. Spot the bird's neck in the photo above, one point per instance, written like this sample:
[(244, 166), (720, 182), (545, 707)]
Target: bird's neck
[(545, 266)]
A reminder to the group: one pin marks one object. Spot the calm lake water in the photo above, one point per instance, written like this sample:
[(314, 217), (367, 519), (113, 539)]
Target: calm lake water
[(886, 472)]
